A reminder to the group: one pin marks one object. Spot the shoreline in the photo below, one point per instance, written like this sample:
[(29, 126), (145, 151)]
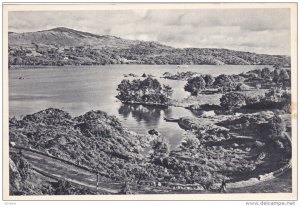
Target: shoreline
[(15, 67)]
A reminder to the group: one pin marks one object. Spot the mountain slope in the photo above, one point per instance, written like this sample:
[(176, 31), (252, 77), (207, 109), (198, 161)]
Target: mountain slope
[(64, 46), (65, 37)]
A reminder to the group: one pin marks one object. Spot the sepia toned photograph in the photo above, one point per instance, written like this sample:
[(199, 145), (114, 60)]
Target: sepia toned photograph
[(135, 100)]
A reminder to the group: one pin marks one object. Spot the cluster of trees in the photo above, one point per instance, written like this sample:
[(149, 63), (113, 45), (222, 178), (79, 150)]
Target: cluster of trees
[(144, 53), (276, 98), (68, 56), (224, 83), (147, 91), (229, 83), (233, 100), (198, 83), (279, 76)]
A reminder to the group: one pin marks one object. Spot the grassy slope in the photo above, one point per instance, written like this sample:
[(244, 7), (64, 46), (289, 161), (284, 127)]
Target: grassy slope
[(61, 170)]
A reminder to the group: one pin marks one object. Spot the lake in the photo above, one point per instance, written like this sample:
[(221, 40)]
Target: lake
[(80, 89)]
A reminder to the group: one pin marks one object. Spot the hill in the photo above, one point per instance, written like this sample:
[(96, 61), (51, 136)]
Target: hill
[(63, 46)]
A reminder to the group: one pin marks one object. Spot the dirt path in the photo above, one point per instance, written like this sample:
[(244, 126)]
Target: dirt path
[(61, 170)]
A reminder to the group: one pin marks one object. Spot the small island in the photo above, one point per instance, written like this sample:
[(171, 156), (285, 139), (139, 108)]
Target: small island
[(146, 92)]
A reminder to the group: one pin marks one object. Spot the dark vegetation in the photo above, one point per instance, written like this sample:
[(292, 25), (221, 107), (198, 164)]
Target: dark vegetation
[(94, 140), (148, 91), (63, 46), (196, 84), (276, 95), (255, 79), (99, 142)]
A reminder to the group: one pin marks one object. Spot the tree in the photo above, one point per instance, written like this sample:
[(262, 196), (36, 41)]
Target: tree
[(276, 127), (18, 61), (136, 88), (225, 82), (167, 91), (284, 76), (124, 89), (195, 85), (223, 79), (233, 100), (276, 75), (266, 73), (209, 80), (151, 85)]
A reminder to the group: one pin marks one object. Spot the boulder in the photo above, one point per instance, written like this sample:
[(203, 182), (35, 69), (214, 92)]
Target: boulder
[(189, 123)]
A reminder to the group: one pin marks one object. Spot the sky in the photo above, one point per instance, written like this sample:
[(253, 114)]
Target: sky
[(265, 31)]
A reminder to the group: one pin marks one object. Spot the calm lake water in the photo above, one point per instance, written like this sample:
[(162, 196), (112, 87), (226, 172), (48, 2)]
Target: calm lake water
[(78, 90)]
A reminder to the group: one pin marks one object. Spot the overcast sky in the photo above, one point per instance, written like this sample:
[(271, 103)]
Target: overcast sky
[(255, 30)]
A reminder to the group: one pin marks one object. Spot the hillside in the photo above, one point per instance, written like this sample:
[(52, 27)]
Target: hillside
[(50, 146), (63, 46)]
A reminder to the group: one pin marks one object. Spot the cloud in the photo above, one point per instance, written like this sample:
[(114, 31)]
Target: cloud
[(255, 30), (248, 19)]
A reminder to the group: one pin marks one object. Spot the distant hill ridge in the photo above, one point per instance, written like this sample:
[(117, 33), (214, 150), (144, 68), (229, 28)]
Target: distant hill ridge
[(65, 46)]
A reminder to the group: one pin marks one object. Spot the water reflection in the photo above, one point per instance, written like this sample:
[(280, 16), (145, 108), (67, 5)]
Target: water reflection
[(150, 115)]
